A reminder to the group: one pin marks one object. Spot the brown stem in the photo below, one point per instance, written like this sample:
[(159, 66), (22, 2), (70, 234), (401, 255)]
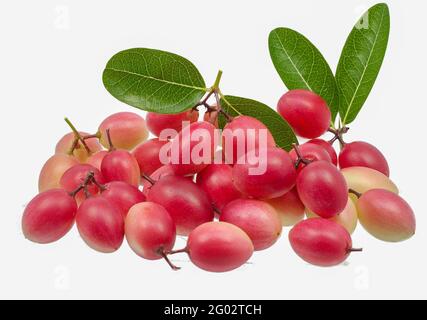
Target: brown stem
[(357, 194), (355, 250), (148, 178), (83, 186), (162, 252), (300, 157), (101, 187), (338, 135), (184, 250), (110, 142)]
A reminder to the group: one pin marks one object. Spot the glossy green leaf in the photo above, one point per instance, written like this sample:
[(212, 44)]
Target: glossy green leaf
[(279, 128), (301, 65), (154, 80), (361, 60)]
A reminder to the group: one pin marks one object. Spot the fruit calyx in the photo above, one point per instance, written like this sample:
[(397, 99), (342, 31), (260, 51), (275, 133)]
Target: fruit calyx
[(338, 135), (300, 157)]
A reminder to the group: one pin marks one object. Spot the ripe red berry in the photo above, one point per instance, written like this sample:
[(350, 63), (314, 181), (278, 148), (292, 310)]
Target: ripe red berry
[(123, 195), (100, 224), (120, 165), (157, 122), (147, 154), (95, 160), (150, 231), (327, 147), (219, 247), (306, 112), (257, 218), (187, 204), (244, 134), (49, 216), (322, 189), (311, 152), (362, 154), (270, 176), (217, 181), (321, 242)]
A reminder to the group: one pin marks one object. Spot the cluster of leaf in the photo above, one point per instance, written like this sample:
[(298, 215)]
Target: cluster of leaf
[(164, 82)]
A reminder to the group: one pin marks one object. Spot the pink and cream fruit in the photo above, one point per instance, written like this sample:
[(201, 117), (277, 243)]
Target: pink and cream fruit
[(147, 155), (53, 170), (127, 130), (386, 216), (66, 143), (289, 208)]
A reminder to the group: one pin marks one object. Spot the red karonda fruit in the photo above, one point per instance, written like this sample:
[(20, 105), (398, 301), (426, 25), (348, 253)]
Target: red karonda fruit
[(123, 195), (95, 160), (100, 224), (289, 208), (150, 231), (386, 216), (269, 175), (187, 204), (306, 112), (193, 148), (218, 247), (157, 122), (53, 170), (321, 242), (257, 218), (157, 175), (120, 165), (327, 147), (66, 143), (363, 154), (310, 152), (244, 134), (127, 130), (148, 155), (217, 181), (49, 216), (76, 176), (322, 189)]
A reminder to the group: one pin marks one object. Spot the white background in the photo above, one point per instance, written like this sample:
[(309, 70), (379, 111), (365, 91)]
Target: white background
[(52, 57)]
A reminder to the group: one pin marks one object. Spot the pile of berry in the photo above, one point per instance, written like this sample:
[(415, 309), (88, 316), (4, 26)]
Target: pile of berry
[(113, 184)]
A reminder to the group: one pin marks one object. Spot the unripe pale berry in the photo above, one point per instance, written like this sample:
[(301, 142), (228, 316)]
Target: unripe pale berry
[(289, 208), (53, 171)]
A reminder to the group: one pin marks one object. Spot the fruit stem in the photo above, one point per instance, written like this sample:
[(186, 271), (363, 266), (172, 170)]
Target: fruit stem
[(300, 158), (217, 80), (89, 178), (338, 135), (184, 250), (101, 187), (78, 137), (355, 250), (357, 194), (220, 109), (148, 178), (92, 136), (166, 258), (110, 142)]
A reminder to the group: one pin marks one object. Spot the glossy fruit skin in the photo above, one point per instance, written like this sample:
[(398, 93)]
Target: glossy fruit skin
[(216, 180), (202, 133), (248, 126), (306, 112), (386, 216), (327, 147), (66, 143), (186, 203), (49, 216), (347, 218), (53, 170), (257, 219), (100, 224), (362, 179), (322, 189), (362, 154), (147, 155), (278, 178), (95, 160), (157, 122), (76, 176), (320, 242), (150, 230), (123, 195), (219, 247), (120, 165), (289, 208), (157, 175), (310, 151), (127, 130)]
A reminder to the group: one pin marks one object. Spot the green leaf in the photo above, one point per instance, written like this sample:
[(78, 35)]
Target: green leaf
[(301, 65), (279, 128), (361, 60), (154, 80)]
